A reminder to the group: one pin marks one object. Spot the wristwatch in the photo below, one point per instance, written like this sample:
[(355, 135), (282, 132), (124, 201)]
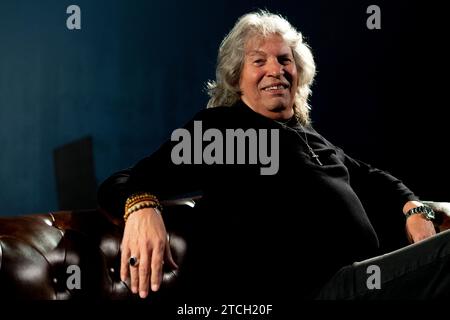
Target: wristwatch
[(426, 211)]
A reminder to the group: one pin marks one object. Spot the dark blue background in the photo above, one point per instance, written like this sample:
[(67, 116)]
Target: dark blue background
[(137, 70)]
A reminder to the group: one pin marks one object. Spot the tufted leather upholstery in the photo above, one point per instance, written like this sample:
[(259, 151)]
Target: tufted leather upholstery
[(37, 250)]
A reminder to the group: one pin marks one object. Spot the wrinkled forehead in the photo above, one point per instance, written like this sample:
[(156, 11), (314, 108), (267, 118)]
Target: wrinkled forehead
[(255, 43)]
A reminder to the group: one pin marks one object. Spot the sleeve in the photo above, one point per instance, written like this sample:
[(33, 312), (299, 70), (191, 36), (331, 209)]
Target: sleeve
[(156, 174), (376, 184), (372, 185)]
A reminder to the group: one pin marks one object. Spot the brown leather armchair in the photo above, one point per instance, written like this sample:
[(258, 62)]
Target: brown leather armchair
[(41, 255), (38, 252)]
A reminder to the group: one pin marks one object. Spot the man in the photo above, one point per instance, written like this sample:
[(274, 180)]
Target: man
[(252, 227)]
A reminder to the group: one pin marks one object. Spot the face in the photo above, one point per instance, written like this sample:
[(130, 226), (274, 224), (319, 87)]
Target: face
[(268, 80)]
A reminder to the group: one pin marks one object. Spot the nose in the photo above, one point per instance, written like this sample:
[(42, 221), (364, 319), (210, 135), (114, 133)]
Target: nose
[(275, 68)]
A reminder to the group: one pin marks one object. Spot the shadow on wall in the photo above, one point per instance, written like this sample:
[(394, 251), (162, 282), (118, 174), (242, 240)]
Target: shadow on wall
[(75, 175)]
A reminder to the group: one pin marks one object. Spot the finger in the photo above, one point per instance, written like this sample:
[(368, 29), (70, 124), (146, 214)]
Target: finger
[(157, 262), (124, 267), (168, 255), (134, 271), (144, 275)]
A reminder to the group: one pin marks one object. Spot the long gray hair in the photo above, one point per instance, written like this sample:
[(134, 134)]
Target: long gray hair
[(225, 91)]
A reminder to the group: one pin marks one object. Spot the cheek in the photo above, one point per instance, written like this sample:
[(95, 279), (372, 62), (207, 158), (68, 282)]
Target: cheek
[(294, 73), (251, 82), (250, 79), (295, 82), (254, 75), (246, 79)]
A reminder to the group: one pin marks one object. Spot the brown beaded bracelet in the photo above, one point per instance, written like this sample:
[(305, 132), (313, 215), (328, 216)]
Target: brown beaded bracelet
[(140, 201)]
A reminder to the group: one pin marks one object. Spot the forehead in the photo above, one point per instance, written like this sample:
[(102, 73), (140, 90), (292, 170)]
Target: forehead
[(272, 44)]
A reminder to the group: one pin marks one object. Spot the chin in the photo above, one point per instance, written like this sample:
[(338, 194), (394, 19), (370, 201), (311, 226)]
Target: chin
[(281, 113), (283, 116)]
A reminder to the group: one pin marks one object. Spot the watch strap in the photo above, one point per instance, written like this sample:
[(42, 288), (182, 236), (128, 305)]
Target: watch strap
[(426, 211)]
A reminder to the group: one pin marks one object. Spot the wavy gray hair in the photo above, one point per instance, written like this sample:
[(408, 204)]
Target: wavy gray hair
[(225, 91)]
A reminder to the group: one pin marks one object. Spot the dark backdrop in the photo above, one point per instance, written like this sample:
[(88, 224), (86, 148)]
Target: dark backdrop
[(136, 70)]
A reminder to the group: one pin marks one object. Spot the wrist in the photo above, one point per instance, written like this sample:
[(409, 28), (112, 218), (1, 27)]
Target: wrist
[(411, 205), (423, 211), (140, 201)]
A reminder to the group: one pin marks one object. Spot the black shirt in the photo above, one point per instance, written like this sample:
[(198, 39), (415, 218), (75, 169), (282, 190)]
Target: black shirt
[(299, 225)]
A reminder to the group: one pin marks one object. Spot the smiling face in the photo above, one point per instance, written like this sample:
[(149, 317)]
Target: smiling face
[(269, 79)]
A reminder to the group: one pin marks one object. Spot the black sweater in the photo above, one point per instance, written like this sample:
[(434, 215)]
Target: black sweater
[(305, 212)]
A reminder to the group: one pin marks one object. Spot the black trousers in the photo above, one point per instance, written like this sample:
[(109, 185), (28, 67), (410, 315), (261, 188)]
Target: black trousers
[(417, 271)]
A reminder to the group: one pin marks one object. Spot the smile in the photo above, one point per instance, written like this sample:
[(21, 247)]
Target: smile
[(276, 87)]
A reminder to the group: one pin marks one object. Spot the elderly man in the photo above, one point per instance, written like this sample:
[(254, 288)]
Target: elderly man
[(302, 225)]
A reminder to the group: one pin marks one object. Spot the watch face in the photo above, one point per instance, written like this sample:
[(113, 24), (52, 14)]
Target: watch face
[(429, 213)]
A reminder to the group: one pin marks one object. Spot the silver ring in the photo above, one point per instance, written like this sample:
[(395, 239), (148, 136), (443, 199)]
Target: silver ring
[(133, 261)]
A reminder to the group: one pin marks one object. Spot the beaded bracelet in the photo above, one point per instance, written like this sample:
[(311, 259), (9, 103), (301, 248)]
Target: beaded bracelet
[(135, 198), (140, 201)]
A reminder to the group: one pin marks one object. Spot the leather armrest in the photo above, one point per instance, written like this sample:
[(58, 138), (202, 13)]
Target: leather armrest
[(36, 252)]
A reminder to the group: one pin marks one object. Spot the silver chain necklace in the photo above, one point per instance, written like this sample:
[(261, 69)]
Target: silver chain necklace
[(311, 150), (312, 154)]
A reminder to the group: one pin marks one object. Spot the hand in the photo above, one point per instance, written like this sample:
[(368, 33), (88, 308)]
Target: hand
[(145, 238), (419, 228), (443, 210), (445, 225)]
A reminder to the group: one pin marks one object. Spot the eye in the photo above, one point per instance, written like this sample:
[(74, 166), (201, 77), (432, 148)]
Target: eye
[(258, 62), (285, 60)]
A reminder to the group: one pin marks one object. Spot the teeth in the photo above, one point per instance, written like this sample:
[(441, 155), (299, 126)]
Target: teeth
[(279, 87)]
